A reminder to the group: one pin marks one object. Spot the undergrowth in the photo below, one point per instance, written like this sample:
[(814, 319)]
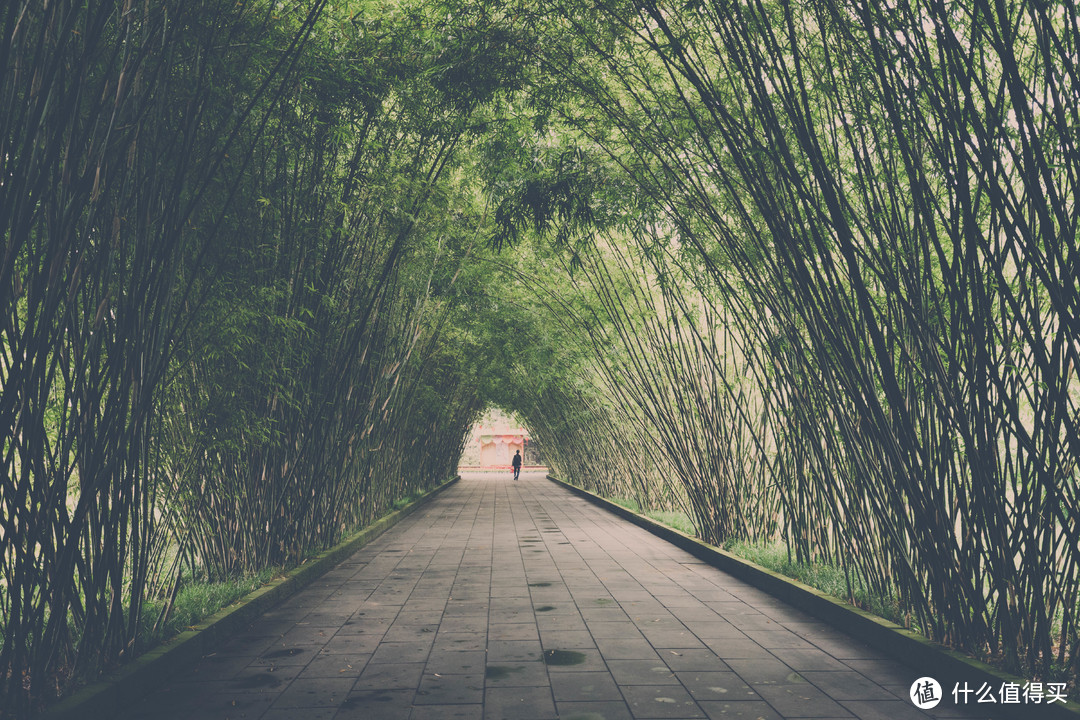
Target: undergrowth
[(829, 579), (673, 519), (196, 601)]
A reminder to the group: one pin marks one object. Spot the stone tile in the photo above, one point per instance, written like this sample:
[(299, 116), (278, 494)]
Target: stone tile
[(584, 686), (371, 611), (731, 609), (779, 638), (521, 603), (247, 645), (684, 600), (280, 655), (381, 703), (764, 671), (661, 620), (390, 676), (364, 626), (603, 710), (470, 623), (801, 700), (621, 630), (641, 672), (944, 712), (759, 623), (329, 620), (711, 629), (514, 631), (525, 674), (433, 605), (502, 651), (309, 713), (216, 667), (351, 645), (847, 686), (812, 659), (335, 666), (519, 703), (465, 607), (701, 659), (633, 649), (737, 648), (560, 597), (315, 692), (399, 632), (881, 671), (844, 648), (570, 639), (402, 652), (889, 710), (450, 689), (256, 679), (661, 701), (741, 710), (716, 686), (808, 628), (691, 614), (561, 622), (459, 641), (446, 662), (672, 639), (412, 615), (601, 614), (446, 712), (210, 705), (589, 660)]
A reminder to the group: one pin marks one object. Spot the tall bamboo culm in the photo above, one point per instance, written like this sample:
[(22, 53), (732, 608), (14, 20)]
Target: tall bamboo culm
[(885, 193)]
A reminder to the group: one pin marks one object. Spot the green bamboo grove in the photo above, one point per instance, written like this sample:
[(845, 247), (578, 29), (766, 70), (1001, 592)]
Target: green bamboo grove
[(807, 271)]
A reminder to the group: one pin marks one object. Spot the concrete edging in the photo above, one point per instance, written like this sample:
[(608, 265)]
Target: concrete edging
[(107, 697), (925, 656)]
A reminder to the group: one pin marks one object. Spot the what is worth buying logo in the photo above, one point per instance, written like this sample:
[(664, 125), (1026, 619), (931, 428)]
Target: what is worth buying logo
[(925, 693)]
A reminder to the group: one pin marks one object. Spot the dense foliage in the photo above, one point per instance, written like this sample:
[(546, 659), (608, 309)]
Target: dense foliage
[(228, 249), (860, 300), (807, 271)]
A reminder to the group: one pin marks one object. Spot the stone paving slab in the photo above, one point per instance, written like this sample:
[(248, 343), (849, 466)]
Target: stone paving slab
[(521, 601)]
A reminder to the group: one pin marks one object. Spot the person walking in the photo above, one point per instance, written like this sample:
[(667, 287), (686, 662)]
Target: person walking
[(516, 463)]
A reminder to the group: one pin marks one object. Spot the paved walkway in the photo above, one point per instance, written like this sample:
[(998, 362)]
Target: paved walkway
[(519, 600)]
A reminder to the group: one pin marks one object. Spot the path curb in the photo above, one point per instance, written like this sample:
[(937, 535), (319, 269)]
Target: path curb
[(925, 656), (107, 697)]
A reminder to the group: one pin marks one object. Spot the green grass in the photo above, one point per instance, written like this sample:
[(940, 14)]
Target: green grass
[(197, 601), (673, 519), (629, 504), (828, 579)]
